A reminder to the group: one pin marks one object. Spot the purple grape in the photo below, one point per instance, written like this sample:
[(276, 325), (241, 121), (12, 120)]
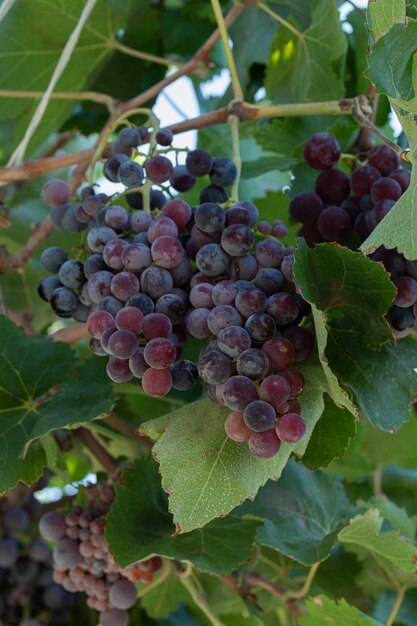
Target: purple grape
[(158, 168), (164, 138), (177, 210), (124, 285), (136, 257), (196, 323), (156, 325), (269, 280), (142, 302), (122, 344), (209, 217), (260, 327), (137, 363), (233, 340), (406, 291), (116, 217), (167, 251), (252, 363), (322, 151), (173, 306), (212, 260), (295, 379), (131, 174), (382, 208), (302, 341), (9, 552), (250, 300), (56, 193), (283, 308), (223, 172), (335, 224), (47, 286), (291, 428), (67, 554), (181, 179), (243, 267), (184, 375), (238, 392), (112, 165), (114, 617), (98, 236), (385, 189), (305, 207), (222, 316), (156, 383), (264, 445), (333, 186), (63, 301), (259, 416), (402, 177), (236, 428), (52, 259), (237, 240), (112, 253), (52, 526), (362, 179), (199, 162), (269, 253), (384, 159), (224, 292), (201, 296), (118, 370), (212, 193), (98, 285), (214, 367), (140, 221), (123, 594)]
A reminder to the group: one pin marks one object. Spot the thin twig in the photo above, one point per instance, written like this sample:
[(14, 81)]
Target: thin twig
[(123, 427), (217, 10), (396, 607), (138, 54), (15, 261), (201, 601), (93, 96), (278, 18), (301, 593), (98, 450), (253, 579), (66, 54), (234, 122), (363, 120)]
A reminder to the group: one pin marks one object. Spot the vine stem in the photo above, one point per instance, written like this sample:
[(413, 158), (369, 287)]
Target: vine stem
[(98, 451), (201, 601), (138, 54), (301, 593), (234, 122), (278, 18), (93, 96), (217, 10), (377, 482), (396, 607), (66, 54)]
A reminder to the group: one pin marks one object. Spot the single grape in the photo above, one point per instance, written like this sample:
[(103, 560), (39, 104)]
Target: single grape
[(118, 370), (114, 617), (250, 300), (252, 363), (264, 445), (269, 280), (335, 225), (200, 296), (131, 174), (47, 286), (295, 379), (269, 253), (233, 340), (214, 367), (63, 301), (98, 322), (69, 221), (16, 519), (135, 199), (238, 392), (160, 353), (352, 206), (291, 428), (122, 344), (283, 308), (116, 217), (280, 352), (382, 208), (275, 390), (52, 526), (182, 273), (402, 177), (173, 306), (156, 382), (236, 428), (406, 291), (112, 165), (224, 292), (238, 215), (196, 323), (222, 316), (52, 258), (286, 268), (199, 162), (71, 274), (91, 205), (279, 229), (167, 251), (181, 179), (123, 594), (56, 192), (93, 264), (305, 207), (140, 221), (322, 151), (156, 325), (39, 551), (259, 416), (109, 304), (362, 179), (333, 186), (209, 217), (142, 302), (243, 267), (129, 138), (384, 159), (124, 285), (164, 138), (184, 375), (223, 172), (212, 260), (237, 240), (402, 318), (158, 168), (265, 228), (98, 236), (385, 189), (178, 211), (212, 193), (66, 553)]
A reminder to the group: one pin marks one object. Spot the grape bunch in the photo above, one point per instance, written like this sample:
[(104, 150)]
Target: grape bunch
[(347, 208), (28, 594), (83, 562), (150, 279)]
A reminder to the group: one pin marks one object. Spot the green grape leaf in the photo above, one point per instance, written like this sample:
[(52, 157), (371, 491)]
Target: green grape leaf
[(30, 368), (164, 594), (29, 55), (302, 513), (383, 14), (397, 517), (388, 548), (331, 436), (322, 611), (139, 525), (346, 285), (304, 67), (384, 382), (205, 473)]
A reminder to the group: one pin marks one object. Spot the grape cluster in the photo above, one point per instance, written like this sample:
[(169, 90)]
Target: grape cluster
[(212, 272), (28, 594), (347, 208), (83, 562)]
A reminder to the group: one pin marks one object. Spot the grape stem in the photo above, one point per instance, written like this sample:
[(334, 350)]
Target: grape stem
[(281, 20), (106, 460), (254, 579), (138, 54), (301, 593), (201, 601), (396, 607), (234, 122), (237, 89), (92, 96), (363, 120)]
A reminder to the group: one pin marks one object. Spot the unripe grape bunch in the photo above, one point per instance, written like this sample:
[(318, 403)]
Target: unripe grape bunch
[(345, 208), (83, 562), (28, 593), (155, 272)]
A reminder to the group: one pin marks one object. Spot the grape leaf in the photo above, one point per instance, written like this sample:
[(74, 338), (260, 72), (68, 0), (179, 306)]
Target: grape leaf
[(302, 513), (139, 525), (384, 382), (33, 35), (383, 14), (302, 67), (330, 437), (347, 285), (397, 517), (322, 611), (30, 367), (388, 548), (164, 594), (205, 473)]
